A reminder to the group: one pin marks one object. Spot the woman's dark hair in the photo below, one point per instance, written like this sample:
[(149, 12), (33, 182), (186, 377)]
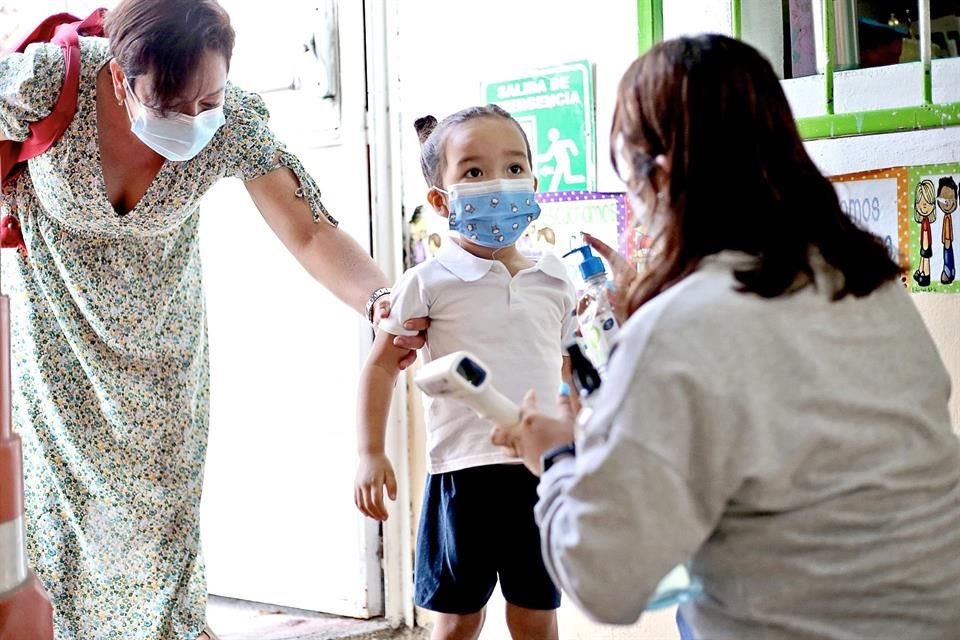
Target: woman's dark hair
[(737, 174), (432, 134), (167, 38)]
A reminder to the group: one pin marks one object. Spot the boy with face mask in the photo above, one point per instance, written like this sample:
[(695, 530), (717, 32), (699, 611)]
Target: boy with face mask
[(481, 294)]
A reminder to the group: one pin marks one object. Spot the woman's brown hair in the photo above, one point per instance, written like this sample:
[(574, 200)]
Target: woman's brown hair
[(167, 38), (736, 176)]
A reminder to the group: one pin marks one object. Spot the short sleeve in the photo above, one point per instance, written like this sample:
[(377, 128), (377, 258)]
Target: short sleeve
[(250, 149), (408, 299), (30, 83)]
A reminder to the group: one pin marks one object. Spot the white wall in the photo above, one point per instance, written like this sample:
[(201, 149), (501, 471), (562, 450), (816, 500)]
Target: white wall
[(761, 23), (689, 17)]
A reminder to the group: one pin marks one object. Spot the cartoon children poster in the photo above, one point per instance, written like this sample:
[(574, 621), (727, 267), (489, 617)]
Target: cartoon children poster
[(932, 203)]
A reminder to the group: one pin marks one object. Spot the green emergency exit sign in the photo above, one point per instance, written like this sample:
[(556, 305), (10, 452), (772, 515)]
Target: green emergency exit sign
[(554, 105)]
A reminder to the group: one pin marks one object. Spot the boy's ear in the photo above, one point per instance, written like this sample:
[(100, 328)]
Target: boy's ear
[(435, 198), (536, 183)]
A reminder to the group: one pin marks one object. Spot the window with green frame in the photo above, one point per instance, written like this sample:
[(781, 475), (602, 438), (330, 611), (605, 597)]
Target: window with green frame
[(918, 33)]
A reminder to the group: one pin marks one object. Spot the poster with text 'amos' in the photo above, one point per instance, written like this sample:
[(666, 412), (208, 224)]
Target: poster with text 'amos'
[(877, 201)]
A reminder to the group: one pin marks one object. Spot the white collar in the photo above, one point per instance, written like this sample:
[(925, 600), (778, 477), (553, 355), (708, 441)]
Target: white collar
[(470, 268)]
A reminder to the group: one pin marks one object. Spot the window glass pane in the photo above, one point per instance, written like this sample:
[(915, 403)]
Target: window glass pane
[(874, 33), (799, 42), (783, 31), (945, 27)]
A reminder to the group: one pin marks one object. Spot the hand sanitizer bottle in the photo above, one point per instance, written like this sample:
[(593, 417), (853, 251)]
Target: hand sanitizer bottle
[(598, 325)]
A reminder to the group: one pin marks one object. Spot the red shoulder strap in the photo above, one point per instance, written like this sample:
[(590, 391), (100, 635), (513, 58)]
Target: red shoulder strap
[(44, 31), (66, 33), (64, 29)]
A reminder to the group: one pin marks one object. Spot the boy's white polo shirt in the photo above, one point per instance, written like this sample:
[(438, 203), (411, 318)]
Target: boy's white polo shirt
[(516, 325)]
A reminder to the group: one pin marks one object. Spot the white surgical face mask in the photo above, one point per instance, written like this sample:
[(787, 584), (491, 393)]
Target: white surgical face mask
[(178, 136)]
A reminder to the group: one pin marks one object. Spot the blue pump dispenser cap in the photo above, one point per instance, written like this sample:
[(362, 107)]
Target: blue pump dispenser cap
[(591, 265)]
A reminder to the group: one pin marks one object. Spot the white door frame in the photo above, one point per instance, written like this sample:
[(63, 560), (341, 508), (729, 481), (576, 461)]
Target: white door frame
[(383, 136)]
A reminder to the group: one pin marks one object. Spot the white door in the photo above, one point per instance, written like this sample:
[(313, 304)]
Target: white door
[(278, 520)]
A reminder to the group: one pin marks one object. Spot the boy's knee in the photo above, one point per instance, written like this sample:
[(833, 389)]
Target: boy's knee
[(450, 626), (531, 624)]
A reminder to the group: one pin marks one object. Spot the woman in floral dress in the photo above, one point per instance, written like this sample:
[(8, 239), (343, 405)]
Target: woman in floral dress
[(109, 333)]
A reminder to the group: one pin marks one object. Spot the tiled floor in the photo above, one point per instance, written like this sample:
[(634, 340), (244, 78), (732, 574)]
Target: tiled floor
[(240, 620)]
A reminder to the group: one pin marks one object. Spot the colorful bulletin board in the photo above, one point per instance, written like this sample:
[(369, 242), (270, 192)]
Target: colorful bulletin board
[(935, 273), (565, 214), (877, 201)]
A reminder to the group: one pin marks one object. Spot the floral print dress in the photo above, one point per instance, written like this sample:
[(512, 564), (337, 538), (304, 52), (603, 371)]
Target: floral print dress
[(110, 363)]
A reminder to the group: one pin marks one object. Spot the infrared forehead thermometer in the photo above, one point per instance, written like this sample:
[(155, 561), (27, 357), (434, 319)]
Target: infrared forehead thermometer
[(463, 376)]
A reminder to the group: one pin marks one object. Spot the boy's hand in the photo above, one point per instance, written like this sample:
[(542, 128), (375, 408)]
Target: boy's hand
[(373, 474)]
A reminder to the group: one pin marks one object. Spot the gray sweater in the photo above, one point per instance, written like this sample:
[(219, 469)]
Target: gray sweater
[(797, 451)]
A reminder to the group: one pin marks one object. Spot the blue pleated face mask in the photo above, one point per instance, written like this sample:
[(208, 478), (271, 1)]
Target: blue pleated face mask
[(493, 213)]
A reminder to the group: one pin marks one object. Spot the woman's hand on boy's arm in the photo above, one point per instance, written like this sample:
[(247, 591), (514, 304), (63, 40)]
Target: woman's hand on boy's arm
[(374, 474), (412, 343)]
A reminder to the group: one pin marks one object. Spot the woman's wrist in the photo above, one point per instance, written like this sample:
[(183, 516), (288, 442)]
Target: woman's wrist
[(372, 300), (551, 456)]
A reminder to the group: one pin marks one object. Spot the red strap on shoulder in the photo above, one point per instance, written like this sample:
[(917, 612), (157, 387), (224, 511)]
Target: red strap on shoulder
[(47, 131), (66, 33), (44, 31), (64, 29)]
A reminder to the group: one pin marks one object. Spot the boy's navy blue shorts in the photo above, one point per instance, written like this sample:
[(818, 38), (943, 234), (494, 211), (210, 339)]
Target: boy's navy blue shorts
[(477, 524)]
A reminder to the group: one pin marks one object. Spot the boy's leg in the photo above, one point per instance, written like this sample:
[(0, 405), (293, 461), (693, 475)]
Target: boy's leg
[(455, 570), (532, 598), (455, 626), (532, 624)]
